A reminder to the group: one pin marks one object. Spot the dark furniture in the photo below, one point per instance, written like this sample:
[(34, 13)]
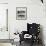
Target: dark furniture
[(33, 30), (42, 1)]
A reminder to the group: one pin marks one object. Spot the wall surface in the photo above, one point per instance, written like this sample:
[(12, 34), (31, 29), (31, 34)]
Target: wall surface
[(3, 1), (35, 14), (3, 34), (3, 21)]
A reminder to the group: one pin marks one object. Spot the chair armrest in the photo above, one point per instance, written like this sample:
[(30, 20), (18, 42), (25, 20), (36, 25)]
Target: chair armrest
[(22, 35), (24, 32)]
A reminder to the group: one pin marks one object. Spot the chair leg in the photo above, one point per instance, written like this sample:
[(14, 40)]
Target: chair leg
[(32, 42), (20, 42)]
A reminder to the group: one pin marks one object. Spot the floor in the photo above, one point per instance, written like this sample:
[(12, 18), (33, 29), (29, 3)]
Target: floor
[(26, 44), (5, 44), (23, 44)]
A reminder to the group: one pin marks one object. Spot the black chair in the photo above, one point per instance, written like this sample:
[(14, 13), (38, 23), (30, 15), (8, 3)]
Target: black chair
[(32, 29)]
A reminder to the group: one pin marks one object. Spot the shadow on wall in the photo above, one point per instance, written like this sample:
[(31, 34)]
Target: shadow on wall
[(41, 34)]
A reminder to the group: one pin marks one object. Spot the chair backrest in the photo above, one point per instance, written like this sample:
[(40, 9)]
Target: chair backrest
[(33, 28)]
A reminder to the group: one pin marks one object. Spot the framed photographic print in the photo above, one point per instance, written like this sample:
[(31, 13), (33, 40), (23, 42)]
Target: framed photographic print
[(21, 13)]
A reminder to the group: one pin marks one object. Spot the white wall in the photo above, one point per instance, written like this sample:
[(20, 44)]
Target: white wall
[(3, 1), (35, 13), (3, 21), (4, 34)]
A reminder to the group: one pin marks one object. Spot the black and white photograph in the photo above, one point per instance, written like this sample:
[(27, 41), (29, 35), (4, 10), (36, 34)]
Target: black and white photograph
[(21, 13), (22, 22)]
